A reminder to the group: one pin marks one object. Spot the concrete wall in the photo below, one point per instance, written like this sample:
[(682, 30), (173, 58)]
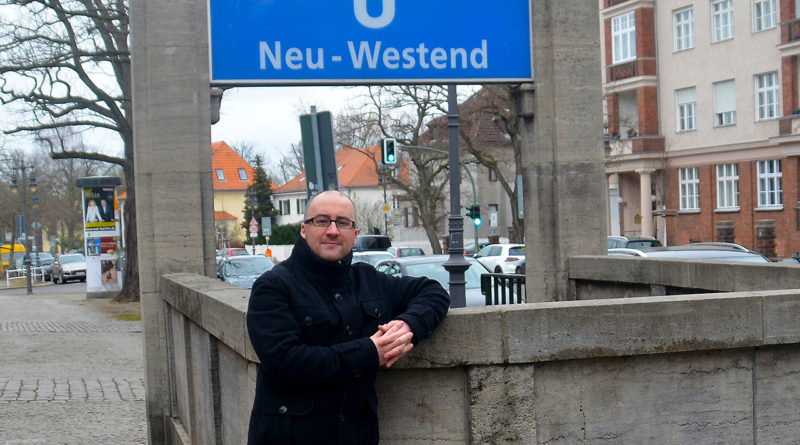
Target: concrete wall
[(714, 368)]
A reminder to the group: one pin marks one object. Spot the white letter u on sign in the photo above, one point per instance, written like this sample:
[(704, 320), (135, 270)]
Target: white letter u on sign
[(363, 17)]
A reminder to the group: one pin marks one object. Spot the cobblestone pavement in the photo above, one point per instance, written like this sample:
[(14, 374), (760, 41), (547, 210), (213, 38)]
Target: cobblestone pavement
[(69, 374)]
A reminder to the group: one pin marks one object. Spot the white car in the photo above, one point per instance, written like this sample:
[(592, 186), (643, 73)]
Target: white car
[(501, 258), (70, 266)]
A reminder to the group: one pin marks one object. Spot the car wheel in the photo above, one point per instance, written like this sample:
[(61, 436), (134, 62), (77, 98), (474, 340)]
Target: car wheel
[(83, 279), (498, 270), (518, 270)]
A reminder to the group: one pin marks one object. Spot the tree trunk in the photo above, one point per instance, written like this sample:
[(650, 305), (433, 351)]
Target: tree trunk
[(130, 278)]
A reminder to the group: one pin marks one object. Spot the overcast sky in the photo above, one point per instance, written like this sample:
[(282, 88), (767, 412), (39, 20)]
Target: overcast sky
[(269, 117)]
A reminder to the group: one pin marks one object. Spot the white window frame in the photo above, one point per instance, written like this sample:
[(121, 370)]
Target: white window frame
[(768, 99), (764, 15), (721, 20), (769, 178), (689, 189), (683, 29), (723, 115), (242, 175), (686, 112), (728, 186), (623, 37), (220, 175)]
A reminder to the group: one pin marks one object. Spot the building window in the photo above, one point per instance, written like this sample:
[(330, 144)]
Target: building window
[(684, 29), (243, 175), (764, 12), (687, 109), (405, 217), (414, 217), (623, 36), (767, 91), (492, 175), (285, 207), (689, 188), (220, 175), (725, 103), (721, 20), (300, 204), (728, 186), (769, 184)]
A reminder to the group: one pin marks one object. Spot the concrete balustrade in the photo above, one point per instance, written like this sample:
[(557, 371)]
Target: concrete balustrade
[(703, 368)]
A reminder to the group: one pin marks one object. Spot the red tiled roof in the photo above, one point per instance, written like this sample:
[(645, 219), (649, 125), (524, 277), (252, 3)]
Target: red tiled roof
[(223, 216), (225, 158), (356, 168)]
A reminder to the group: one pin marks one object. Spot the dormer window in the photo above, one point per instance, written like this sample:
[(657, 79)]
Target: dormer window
[(220, 175), (243, 175)]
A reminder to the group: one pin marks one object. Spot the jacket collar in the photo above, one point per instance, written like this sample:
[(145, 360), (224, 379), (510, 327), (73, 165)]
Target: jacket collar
[(319, 269)]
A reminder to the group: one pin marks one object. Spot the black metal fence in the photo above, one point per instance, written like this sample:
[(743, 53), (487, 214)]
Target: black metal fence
[(499, 288)]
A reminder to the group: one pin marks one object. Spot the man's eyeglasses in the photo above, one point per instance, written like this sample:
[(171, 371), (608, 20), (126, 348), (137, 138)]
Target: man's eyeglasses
[(325, 221)]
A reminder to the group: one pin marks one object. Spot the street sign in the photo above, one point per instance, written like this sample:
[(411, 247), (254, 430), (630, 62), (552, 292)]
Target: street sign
[(309, 42), (253, 227), (266, 226)]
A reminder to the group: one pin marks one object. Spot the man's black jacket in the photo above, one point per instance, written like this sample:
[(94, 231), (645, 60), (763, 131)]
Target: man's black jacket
[(310, 321)]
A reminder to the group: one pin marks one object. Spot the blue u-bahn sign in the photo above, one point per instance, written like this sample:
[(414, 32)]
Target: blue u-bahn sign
[(318, 42)]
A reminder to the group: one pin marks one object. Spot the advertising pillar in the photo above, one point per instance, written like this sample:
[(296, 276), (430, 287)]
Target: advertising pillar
[(101, 233)]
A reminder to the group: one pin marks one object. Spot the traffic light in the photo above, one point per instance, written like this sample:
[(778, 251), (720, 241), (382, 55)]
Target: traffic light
[(474, 212), (388, 151)]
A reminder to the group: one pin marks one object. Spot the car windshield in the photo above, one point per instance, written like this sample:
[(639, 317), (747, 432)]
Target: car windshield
[(66, 259), (247, 267), (437, 272), (636, 244), (239, 252)]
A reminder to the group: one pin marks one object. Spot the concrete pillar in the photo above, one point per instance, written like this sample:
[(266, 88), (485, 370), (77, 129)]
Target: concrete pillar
[(645, 201), (563, 154), (172, 155)]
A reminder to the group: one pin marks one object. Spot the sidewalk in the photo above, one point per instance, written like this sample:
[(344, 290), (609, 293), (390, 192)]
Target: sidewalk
[(69, 373)]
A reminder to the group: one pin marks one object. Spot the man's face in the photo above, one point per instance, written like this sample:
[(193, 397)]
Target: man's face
[(330, 243)]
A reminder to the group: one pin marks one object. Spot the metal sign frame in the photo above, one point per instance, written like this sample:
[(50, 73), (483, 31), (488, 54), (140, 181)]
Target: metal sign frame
[(369, 42)]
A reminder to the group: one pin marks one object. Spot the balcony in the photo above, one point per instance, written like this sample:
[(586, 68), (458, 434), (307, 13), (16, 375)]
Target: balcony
[(643, 66), (789, 125), (790, 31), (636, 144)]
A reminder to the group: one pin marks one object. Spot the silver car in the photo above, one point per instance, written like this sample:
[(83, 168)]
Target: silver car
[(431, 266), (243, 270), (68, 266)]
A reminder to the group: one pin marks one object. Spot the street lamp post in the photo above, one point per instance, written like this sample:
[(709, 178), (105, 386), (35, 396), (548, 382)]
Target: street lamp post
[(25, 182)]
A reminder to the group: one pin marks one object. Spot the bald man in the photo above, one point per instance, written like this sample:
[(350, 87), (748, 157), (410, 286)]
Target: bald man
[(322, 327)]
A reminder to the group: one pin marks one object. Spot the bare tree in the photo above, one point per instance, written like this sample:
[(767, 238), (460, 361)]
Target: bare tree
[(245, 149), (66, 65), (290, 165), (402, 112), (493, 106)]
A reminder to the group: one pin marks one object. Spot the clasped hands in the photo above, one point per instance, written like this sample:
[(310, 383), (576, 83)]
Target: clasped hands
[(393, 341)]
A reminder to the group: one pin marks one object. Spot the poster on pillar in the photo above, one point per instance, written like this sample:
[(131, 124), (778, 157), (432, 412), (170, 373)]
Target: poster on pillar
[(100, 211), (101, 232)]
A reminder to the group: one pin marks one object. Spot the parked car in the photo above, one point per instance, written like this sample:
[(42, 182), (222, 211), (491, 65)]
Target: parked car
[(519, 266), (399, 252), (372, 242), (431, 266), (231, 251), (469, 249), (623, 242), (498, 258), (243, 270), (45, 261), (68, 266), (794, 259), (371, 257), (697, 251)]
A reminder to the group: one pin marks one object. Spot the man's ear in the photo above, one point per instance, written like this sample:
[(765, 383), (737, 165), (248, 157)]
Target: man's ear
[(303, 230)]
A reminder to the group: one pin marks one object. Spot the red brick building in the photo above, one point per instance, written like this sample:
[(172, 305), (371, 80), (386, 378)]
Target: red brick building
[(703, 121)]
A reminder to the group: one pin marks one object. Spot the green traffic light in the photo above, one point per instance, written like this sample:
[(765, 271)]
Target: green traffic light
[(476, 221)]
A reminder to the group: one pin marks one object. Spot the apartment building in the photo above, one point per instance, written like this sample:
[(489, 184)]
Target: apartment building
[(703, 121)]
